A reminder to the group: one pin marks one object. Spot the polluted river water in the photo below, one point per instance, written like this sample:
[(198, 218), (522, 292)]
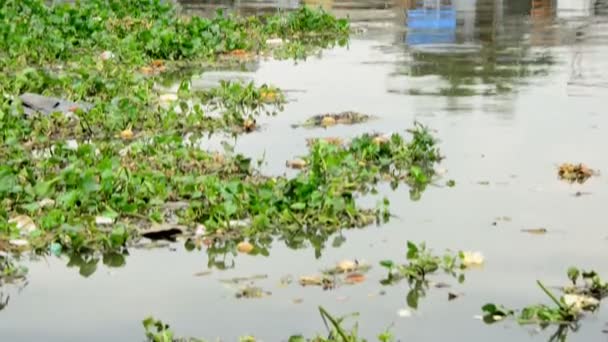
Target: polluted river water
[(511, 88)]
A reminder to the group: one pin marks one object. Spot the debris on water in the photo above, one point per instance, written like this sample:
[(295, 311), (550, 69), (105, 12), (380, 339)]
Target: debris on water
[(46, 202), (106, 55), (154, 68), (581, 193), (103, 221), (346, 266), (166, 99), (441, 285), (328, 121), (45, 105), (18, 242), (274, 41), (501, 219), (286, 280), (23, 223), (55, 249), (337, 141), (163, 231), (451, 183), (250, 291), (404, 313), (200, 230), (202, 274), (580, 303), (127, 134), (238, 280), (535, 231), (452, 296), (472, 259), (575, 172), (244, 247), (249, 125), (440, 171), (331, 119), (355, 278), (325, 282), (297, 164), (71, 144), (297, 300)]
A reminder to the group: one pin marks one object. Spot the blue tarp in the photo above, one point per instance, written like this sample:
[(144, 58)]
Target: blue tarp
[(431, 25)]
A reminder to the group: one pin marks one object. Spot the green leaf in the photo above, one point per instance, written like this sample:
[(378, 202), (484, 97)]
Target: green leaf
[(387, 263), (412, 250), (298, 206), (412, 298)]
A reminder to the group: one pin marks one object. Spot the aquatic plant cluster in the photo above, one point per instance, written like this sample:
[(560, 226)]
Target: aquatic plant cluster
[(125, 159)]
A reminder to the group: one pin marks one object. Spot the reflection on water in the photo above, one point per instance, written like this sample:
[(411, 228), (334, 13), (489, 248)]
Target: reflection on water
[(474, 47)]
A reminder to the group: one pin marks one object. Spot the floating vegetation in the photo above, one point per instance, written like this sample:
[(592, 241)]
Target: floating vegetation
[(422, 263), (331, 119), (158, 331), (575, 172), (10, 272), (346, 272), (566, 310), (586, 283), (93, 154)]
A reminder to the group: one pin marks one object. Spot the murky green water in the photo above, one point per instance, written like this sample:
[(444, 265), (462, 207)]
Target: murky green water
[(513, 88)]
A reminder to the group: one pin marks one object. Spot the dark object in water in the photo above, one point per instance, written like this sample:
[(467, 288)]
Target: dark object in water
[(163, 232), (36, 103)]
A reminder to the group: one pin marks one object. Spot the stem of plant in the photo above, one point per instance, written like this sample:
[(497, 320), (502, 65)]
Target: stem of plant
[(553, 298)]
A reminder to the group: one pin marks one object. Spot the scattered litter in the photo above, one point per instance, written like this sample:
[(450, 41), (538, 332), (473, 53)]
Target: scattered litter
[(252, 292), (106, 55), (452, 296), (472, 259), (325, 282), (331, 119), (404, 313), (355, 278), (580, 302), (127, 134), (274, 41), (286, 280), (46, 202), (535, 231), (24, 223), (18, 242), (237, 280), (244, 247), (330, 140), (296, 164), (103, 221), (575, 172), (249, 125)]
